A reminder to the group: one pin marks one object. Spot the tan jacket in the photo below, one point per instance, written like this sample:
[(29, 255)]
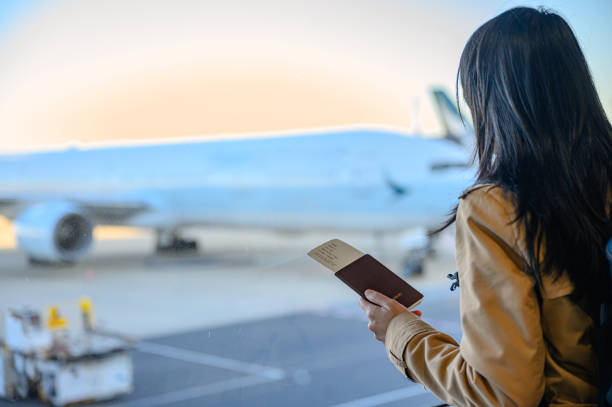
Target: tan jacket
[(512, 353)]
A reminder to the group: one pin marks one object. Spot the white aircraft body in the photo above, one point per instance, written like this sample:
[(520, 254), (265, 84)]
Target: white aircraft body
[(368, 180)]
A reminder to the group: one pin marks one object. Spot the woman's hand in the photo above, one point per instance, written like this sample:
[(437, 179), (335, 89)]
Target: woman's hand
[(381, 312)]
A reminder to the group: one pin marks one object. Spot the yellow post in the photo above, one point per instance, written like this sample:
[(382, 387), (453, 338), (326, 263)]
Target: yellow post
[(87, 313)]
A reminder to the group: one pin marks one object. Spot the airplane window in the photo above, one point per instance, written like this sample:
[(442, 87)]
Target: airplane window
[(167, 166)]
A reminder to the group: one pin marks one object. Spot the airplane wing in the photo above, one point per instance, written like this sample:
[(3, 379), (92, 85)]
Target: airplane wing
[(113, 212), (9, 207), (108, 211)]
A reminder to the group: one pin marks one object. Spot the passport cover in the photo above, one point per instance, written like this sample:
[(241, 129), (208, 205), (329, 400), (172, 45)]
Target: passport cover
[(362, 271)]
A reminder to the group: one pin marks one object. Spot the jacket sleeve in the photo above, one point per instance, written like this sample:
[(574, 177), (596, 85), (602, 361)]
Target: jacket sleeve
[(500, 361)]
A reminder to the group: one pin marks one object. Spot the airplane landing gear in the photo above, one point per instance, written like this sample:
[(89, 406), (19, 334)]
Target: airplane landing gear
[(172, 243), (412, 265), (412, 268), (418, 246)]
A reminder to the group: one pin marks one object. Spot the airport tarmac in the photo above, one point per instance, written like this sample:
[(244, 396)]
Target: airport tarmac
[(249, 321)]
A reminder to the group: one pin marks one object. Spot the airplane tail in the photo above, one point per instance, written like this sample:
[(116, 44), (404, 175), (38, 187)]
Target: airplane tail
[(456, 130)]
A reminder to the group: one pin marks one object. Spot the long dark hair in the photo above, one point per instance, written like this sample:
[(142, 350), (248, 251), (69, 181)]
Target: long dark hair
[(542, 135)]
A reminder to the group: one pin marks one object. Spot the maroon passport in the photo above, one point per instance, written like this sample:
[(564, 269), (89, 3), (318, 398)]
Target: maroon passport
[(361, 272)]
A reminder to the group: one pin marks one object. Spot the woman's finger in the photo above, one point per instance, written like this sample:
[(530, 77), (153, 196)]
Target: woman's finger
[(417, 313), (365, 305), (377, 298), (368, 307)]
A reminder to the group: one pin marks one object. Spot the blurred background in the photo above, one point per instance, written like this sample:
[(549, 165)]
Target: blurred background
[(117, 70), (234, 312)]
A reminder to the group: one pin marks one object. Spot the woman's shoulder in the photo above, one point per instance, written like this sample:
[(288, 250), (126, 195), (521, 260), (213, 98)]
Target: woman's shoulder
[(488, 201), (485, 212), (490, 207), (487, 191)]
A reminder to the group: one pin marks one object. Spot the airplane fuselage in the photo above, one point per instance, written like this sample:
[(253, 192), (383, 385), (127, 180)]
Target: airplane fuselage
[(367, 180)]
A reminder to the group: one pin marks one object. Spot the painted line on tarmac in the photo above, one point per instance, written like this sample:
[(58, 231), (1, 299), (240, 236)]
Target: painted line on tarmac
[(382, 398), (196, 392), (270, 373)]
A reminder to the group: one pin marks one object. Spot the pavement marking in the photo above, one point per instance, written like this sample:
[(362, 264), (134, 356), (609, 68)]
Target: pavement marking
[(270, 373), (195, 392), (387, 397)]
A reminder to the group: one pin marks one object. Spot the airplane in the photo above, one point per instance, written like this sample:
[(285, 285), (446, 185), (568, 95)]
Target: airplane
[(351, 179)]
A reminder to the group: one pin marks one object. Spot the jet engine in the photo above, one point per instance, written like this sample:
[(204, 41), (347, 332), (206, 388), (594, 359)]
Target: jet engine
[(54, 232)]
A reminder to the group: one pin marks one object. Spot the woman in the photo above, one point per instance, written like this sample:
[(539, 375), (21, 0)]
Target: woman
[(530, 234)]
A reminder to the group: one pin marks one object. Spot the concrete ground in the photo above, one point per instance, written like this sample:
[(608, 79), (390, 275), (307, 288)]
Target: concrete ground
[(249, 321)]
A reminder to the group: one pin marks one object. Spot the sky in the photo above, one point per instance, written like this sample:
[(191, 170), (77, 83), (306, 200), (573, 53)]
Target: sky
[(116, 70)]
